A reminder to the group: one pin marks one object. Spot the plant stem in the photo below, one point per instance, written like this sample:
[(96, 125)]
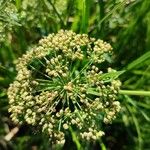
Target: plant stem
[(75, 139), (130, 92)]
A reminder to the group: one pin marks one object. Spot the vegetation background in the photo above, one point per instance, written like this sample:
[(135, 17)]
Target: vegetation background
[(123, 23)]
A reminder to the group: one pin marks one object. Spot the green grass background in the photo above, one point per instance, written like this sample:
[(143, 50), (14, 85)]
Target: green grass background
[(123, 23)]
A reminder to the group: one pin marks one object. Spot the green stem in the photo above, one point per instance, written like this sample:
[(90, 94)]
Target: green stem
[(130, 92), (125, 92), (75, 139)]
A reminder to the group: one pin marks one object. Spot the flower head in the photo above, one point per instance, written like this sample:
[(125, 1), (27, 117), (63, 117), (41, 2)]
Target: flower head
[(61, 84)]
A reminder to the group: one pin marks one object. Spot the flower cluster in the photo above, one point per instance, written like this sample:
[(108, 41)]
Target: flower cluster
[(61, 84)]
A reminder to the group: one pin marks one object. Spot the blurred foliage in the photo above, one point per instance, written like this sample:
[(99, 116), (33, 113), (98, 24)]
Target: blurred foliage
[(8, 18), (123, 23)]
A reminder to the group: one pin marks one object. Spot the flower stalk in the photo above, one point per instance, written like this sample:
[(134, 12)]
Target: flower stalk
[(132, 92)]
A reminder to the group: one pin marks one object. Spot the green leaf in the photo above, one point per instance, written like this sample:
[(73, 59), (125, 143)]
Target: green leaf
[(92, 92), (145, 116), (108, 77), (85, 15), (137, 126), (138, 61)]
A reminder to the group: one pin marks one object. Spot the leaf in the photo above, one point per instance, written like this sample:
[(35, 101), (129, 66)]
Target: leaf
[(134, 103), (2, 94), (138, 61), (137, 126), (85, 15), (108, 77), (144, 105), (92, 92), (145, 116)]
